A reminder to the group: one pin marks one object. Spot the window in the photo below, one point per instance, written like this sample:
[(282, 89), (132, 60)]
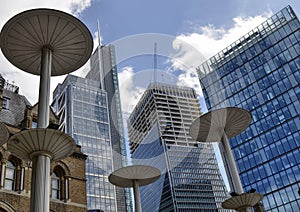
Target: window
[(10, 176), (5, 103), (59, 184), (56, 185), (34, 124)]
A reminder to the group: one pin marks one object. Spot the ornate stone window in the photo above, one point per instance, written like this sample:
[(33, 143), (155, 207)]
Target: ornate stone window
[(10, 176), (6, 207), (59, 184), (56, 186)]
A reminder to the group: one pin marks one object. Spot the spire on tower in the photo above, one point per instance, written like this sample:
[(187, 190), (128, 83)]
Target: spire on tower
[(99, 34), (155, 62)]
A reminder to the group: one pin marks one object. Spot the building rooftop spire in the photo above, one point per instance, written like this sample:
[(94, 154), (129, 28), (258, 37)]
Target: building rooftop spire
[(99, 34)]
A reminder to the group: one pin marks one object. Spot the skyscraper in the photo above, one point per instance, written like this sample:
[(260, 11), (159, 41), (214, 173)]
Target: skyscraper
[(83, 111), (104, 70), (260, 73), (90, 112), (158, 131)]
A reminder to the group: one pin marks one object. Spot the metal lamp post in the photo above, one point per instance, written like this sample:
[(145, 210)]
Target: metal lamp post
[(44, 42), (134, 176), (218, 126)]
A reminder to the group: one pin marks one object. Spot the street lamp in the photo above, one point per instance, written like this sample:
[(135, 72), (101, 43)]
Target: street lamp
[(218, 126), (44, 42), (242, 202), (134, 176)]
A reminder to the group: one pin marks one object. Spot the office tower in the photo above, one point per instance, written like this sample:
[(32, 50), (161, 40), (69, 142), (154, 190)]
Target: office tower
[(260, 73), (158, 131), (90, 112), (68, 184), (83, 111), (103, 69)]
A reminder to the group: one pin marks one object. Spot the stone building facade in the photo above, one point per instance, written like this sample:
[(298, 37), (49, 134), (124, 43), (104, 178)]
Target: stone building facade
[(68, 179)]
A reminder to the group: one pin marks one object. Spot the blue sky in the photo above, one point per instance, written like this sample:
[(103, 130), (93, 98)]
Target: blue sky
[(186, 32), (124, 18), (198, 23)]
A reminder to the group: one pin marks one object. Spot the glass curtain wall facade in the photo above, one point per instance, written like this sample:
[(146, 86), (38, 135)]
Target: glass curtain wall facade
[(260, 72), (103, 76), (83, 111), (103, 69), (159, 136)]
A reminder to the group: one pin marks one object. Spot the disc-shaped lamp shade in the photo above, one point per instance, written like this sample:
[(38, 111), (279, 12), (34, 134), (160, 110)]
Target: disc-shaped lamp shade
[(243, 201), (211, 126), (143, 174), (56, 144), (4, 134), (25, 35)]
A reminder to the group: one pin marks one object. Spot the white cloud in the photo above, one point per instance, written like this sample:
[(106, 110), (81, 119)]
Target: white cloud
[(29, 84), (195, 48), (9, 8), (78, 6), (185, 53), (132, 84), (129, 91)]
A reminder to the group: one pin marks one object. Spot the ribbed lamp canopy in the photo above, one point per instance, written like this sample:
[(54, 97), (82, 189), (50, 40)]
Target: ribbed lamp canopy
[(25, 35), (243, 201), (211, 126), (52, 142), (124, 177), (4, 134)]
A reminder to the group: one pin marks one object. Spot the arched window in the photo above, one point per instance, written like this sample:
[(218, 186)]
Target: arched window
[(59, 185), (2, 210), (6, 207), (56, 186), (10, 176)]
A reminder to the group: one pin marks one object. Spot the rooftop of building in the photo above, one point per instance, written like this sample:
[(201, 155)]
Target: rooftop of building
[(13, 104), (164, 87), (256, 34)]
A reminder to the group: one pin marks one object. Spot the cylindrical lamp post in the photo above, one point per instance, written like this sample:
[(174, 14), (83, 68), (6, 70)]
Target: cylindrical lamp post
[(48, 43), (236, 184), (134, 176), (218, 126)]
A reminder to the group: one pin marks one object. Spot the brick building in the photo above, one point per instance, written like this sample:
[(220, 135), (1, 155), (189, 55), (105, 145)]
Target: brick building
[(68, 179)]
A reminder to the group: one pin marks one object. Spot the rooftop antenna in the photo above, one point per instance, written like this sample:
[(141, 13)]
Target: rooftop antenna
[(155, 62), (99, 34)]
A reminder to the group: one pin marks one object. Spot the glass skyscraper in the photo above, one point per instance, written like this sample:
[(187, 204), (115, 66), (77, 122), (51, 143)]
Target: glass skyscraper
[(90, 111), (260, 72), (103, 69), (83, 111), (158, 131)]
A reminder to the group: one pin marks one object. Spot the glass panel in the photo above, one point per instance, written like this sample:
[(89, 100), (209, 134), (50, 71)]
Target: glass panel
[(55, 194), (55, 186), (9, 184), (55, 183), (9, 175)]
